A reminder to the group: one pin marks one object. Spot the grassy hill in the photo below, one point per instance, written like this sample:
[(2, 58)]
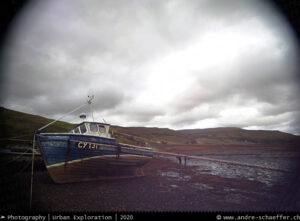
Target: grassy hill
[(13, 123), (212, 136)]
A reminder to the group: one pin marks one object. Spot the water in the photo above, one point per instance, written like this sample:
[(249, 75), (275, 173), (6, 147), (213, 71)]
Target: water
[(240, 187), (277, 159), (178, 176)]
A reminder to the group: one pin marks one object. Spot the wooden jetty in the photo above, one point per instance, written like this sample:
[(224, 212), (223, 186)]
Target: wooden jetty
[(182, 158)]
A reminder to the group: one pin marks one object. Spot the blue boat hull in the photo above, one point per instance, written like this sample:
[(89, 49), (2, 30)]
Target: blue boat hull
[(77, 157)]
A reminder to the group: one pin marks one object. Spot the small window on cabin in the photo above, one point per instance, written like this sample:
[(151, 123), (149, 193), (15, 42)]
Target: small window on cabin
[(76, 130), (102, 129), (83, 128), (93, 128)]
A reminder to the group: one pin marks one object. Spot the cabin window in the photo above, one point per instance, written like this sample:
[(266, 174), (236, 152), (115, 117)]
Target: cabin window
[(76, 130), (83, 128), (93, 128), (102, 129)]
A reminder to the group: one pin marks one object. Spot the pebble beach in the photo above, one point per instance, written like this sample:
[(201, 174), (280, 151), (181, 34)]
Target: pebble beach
[(166, 186)]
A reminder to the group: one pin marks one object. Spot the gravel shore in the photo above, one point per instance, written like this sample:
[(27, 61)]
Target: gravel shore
[(166, 186)]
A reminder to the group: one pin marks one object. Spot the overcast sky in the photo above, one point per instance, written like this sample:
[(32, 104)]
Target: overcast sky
[(176, 64)]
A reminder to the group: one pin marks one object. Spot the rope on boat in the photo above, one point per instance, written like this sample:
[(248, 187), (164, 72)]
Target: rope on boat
[(47, 125), (89, 101), (127, 135)]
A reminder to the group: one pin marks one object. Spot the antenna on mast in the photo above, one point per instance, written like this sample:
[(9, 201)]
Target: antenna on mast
[(91, 97), (89, 101)]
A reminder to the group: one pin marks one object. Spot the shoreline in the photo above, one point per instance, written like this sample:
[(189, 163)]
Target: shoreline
[(166, 186)]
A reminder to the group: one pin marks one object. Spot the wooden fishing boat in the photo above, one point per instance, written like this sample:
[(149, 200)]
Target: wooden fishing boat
[(88, 152)]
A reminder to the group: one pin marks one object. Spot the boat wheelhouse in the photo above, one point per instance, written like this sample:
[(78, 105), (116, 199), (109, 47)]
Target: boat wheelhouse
[(92, 128)]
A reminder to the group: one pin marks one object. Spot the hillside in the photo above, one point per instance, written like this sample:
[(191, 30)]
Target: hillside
[(212, 136), (14, 123)]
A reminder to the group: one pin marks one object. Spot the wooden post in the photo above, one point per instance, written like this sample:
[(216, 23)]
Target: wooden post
[(118, 151), (67, 154), (179, 159), (31, 180)]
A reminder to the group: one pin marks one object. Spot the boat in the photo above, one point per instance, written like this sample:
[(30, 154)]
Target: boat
[(89, 152)]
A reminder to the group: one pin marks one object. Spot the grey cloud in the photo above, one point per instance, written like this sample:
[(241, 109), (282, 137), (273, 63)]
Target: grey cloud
[(294, 124), (189, 118), (264, 82), (108, 98), (257, 77), (59, 53), (140, 115), (101, 28)]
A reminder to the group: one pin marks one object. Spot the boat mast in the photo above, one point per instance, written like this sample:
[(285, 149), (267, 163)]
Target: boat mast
[(90, 104), (91, 109)]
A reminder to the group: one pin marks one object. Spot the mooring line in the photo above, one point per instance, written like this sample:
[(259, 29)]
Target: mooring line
[(12, 139), (22, 170), (8, 138), (16, 158)]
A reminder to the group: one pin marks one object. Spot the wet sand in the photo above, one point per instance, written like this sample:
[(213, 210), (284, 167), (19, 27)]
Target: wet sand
[(167, 186)]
